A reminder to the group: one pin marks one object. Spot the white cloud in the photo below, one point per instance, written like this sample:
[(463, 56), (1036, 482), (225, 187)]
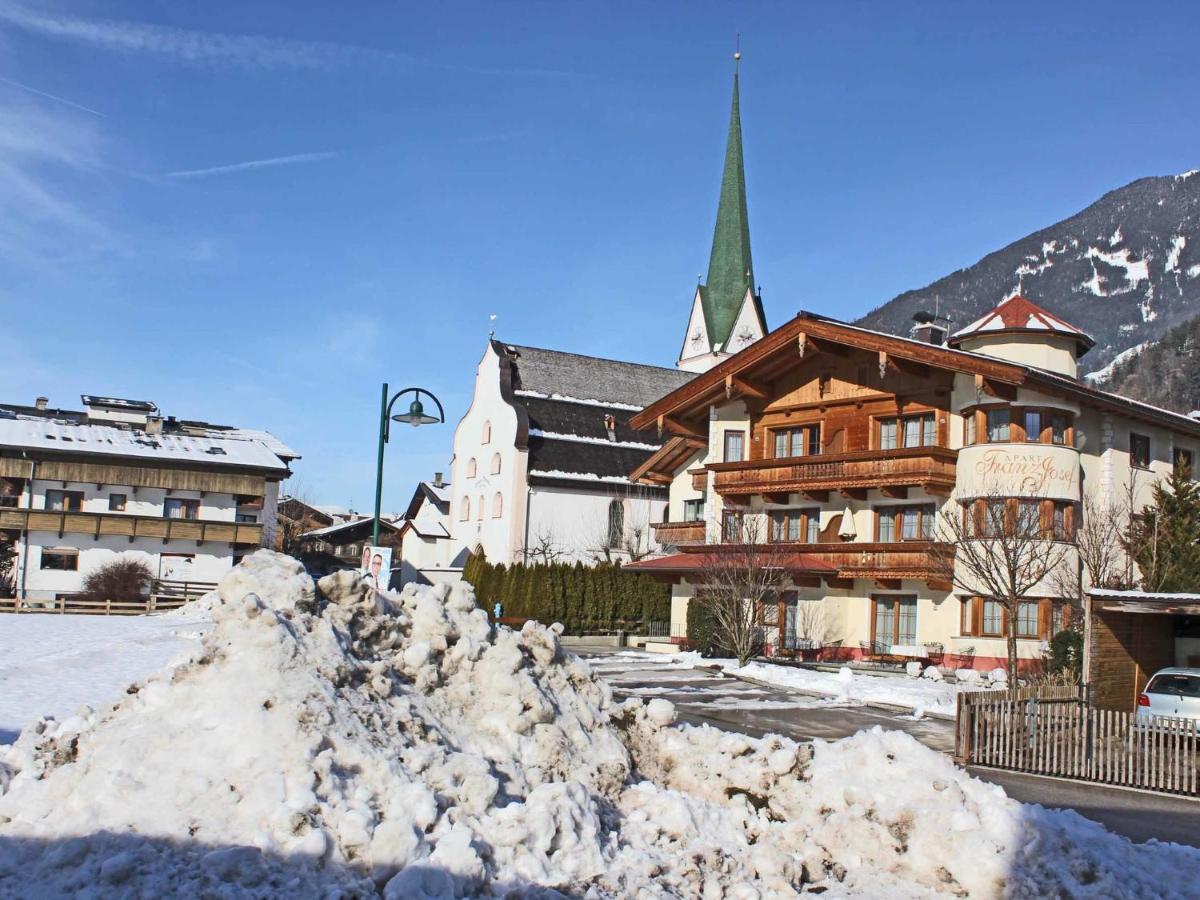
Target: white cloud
[(252, 164), (203, 47)]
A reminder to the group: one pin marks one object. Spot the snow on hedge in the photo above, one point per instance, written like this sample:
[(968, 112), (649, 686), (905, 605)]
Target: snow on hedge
[(337, 742)]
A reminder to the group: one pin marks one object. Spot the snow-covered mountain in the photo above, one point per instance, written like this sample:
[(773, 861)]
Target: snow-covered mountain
[(1126, 270)]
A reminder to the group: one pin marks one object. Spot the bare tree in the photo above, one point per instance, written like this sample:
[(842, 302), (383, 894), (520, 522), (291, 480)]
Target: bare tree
[(1100, 538), (610, 536), (812, 625), (999, 548), (738, 580), (543, 546)]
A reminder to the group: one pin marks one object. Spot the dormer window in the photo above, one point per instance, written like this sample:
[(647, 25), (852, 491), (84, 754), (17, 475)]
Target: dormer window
[(610, 426)]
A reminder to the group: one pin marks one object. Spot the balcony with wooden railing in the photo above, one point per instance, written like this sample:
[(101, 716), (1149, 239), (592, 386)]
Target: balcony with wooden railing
[(131, 526), (929, 467), (906, 559), (679, 534)]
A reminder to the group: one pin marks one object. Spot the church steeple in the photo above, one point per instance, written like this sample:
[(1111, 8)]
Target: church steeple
[(727, 312)]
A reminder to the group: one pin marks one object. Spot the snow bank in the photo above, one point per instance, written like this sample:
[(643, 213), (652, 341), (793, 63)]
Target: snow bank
[(339, 742)]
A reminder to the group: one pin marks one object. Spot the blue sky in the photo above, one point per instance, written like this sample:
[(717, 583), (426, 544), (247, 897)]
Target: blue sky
[(256, 212)]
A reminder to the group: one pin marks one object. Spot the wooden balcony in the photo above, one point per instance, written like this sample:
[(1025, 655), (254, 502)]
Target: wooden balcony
[(884, 562), (679, 534), (130, 526), (891, 470)]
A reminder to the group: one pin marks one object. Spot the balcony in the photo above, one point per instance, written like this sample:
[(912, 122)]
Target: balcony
[(908, 559), (122, 525), (679, 534), (929, 467)]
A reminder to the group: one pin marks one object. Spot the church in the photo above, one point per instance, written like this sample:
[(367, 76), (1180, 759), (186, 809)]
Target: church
[(542, 458)]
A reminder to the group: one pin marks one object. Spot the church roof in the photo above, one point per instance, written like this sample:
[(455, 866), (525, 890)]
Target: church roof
[(589, 379), (578, 409), (1019, 314), (730, 267)]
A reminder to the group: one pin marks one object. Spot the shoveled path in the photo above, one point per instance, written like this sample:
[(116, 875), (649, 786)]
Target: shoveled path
[(702, 696)]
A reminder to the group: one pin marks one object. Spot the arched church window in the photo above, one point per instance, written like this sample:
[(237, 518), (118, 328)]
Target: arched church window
[(471, 467), (495, 463), (464, 509), (497, 506), (479, 510), (616, 523), (486, 437)]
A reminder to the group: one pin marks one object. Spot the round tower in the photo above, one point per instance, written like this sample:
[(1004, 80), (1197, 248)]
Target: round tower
[(1020, 331)]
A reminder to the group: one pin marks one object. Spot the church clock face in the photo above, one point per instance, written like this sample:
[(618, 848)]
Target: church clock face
[(697, 337), (745, 336)]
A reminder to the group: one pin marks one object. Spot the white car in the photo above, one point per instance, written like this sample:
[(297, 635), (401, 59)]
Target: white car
[(1171, 692)]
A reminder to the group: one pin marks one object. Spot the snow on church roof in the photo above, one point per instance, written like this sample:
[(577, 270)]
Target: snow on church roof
[(589, 379), (1018, 313)]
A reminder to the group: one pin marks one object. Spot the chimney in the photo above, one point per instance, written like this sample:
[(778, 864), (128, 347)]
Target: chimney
[(41, 403), (154, 424), (929, 328), (437, 480)]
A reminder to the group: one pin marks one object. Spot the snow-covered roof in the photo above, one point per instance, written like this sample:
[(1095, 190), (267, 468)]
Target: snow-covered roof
[(37, 433), (274, 444), (1018, 313), (340, 526)]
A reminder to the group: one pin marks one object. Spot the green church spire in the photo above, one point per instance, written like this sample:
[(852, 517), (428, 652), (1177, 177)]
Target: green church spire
[(730, 269)]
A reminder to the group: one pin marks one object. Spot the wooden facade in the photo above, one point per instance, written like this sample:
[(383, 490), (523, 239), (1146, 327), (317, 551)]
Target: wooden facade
[(135, 476), (131, 526), (1126, 649)]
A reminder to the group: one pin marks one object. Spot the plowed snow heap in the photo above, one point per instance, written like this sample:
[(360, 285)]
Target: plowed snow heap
[(330, 741)]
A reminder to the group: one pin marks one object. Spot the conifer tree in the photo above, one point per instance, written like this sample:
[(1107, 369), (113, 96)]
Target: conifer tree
[(1165, 538)]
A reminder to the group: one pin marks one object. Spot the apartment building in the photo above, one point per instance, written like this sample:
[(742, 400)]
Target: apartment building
[(847, 445), (79, 488)]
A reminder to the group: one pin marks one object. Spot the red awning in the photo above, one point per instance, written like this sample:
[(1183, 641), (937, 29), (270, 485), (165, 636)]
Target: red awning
[(682, 563)]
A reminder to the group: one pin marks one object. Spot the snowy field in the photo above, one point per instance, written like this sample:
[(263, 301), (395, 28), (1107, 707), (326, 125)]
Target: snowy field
[(50, 665), (360, 745)]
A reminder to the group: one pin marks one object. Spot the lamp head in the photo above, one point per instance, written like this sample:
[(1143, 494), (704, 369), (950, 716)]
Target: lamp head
[(416, 415)]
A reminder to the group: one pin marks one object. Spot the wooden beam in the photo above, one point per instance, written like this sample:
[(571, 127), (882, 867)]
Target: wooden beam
[(678, 427), (920, 370), (746, 388), (939, 490), (993, 388), (815, 496), (775, 498), (843, 584), (810, 347), (854, 493), (938, 585), (888, 584), (806, 581), (895, 493)]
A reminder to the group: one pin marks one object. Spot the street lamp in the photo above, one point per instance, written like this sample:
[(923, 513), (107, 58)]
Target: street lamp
[(415, 416)]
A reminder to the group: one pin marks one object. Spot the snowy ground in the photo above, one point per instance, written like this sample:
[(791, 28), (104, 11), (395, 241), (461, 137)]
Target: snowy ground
[(50, 665), (351, 744), (846, 687)]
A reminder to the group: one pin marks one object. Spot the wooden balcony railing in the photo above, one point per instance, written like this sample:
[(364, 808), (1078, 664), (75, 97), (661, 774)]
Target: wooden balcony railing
[(679, 533), (929, 467), (908, 559), (131, 526)]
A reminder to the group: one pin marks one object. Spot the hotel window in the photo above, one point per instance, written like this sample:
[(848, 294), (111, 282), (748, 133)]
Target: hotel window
[(735, 446), (998, 425), (906, 523), (693, 510), (895, 620), (1139, 450), (994, 518), (1027, 619), (116, 503), (1183, 462), (180, 508), (1033, 425), (796, 525), (803, 441), (969, 428), (1029, 518), (65, 560), (1058, 428), (909, 431), (731, 527), (64, 501), (993, 619), (1063, 521)]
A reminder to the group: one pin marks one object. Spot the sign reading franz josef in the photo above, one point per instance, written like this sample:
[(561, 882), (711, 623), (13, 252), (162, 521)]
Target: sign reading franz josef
[(1041, 472)]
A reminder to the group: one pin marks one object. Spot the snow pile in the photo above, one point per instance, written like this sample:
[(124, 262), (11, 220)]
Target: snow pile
[(345, 743)]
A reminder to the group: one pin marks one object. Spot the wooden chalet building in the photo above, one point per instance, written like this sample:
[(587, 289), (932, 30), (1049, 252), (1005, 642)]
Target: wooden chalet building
[(847, 444)]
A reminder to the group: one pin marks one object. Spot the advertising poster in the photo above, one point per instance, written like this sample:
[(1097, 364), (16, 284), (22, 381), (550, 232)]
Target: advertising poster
[(377, 566)]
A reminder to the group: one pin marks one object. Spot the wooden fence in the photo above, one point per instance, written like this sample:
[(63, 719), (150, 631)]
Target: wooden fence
[(164, 596), (1066, 737)]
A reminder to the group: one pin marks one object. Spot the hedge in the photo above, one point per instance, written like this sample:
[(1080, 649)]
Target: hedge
[(585, 599)]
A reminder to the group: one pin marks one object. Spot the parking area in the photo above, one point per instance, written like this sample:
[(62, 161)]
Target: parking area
[(703, 696)]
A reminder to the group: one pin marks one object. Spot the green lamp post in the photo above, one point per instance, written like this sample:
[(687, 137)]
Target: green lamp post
[(415, 416)]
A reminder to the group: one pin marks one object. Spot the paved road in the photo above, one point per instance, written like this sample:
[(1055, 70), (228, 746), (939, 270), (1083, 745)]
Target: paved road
[(702, 696)]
